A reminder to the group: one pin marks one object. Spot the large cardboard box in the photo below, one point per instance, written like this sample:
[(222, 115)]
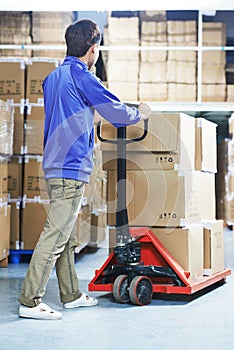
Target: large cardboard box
[(179, 72), (206, 146), (213, 247), (164, 198), (185, 245), (125, 90), (214, 34), (214, 92), (229, 209), (122, 71), (34, 130), (213, 74), (15, 177), (12, 83), (34, 182), (5, 217), (152, 72), (37, 70), (170, 135)]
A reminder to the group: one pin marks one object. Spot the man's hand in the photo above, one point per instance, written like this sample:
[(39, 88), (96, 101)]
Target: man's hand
[(144, 110)]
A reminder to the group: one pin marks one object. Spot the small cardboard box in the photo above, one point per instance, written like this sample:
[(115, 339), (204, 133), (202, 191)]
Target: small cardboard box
[(213, 247), (185, 245), (5, 220)]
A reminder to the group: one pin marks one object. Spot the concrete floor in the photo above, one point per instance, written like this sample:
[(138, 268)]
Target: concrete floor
[(206, 322)]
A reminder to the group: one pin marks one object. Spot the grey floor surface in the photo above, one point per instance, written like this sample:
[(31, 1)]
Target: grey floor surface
[(205, 322)]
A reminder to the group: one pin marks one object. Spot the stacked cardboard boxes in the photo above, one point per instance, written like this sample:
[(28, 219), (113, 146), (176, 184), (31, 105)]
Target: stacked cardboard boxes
[(181, 65), (170, 185), (213, 63), (123, 64), (50, 30), (153, 67), (15, 28)]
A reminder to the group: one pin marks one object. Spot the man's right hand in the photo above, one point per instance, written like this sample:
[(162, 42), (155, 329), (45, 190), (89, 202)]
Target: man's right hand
[(145, 110)]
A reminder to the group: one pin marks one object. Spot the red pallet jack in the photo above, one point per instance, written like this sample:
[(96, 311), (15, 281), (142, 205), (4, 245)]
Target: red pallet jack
[(140, 265)]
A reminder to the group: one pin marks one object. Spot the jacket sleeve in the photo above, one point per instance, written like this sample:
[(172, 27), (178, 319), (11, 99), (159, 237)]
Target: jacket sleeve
[(107, 104)]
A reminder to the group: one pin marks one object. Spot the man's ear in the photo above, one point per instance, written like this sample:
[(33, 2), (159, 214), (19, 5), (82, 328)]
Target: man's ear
[(93, 48)]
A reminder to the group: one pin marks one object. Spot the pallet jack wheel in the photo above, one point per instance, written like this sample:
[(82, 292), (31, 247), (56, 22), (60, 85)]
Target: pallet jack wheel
[(120, 289), (141, 290)]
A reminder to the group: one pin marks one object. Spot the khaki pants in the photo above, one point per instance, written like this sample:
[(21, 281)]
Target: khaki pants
[(56, 245)]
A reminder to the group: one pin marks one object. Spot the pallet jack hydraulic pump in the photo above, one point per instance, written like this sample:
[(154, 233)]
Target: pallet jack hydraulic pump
[(140, 265)]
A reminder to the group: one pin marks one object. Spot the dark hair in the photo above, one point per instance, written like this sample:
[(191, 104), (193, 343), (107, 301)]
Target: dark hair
[(80, 36)]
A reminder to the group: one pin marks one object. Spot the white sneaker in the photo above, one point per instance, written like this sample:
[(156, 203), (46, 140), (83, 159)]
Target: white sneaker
[(40, 312), (84, 300)]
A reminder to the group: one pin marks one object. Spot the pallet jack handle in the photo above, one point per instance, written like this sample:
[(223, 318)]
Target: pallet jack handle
[(123, 236)]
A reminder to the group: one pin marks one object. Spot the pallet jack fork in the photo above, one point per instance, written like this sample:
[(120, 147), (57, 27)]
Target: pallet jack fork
[(140, 265)]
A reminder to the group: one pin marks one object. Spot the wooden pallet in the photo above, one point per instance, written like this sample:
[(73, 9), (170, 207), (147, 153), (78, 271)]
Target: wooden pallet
[(4, 262)]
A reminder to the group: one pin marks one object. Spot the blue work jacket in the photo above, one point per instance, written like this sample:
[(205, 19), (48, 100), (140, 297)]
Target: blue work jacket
[(71, 95)]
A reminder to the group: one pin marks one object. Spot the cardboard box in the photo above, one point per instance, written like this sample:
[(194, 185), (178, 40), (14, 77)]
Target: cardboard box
[(125, 91), (164, 198), (12, 83), (123, 28), (213, 92), (206, 146), (179, 72), (213, 247), (182, 92), (15, 177), (229, 210), (37, 71), (153, 56), (213, 74), (122, 71), (5, 217), (185, 245), (231, 123), (34, 182), (183, 56), (214, 57), (230, 93), (3, 181), (15, 224), (170, 135), (214, 34), (98, 228), (34, 130), (34, 216), (152, 72), (153, 92)]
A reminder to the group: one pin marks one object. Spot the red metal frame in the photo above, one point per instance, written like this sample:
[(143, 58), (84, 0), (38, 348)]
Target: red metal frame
[(154, 253)]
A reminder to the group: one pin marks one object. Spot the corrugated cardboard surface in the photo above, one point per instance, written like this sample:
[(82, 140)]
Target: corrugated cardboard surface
[(164, 198), (34, 133), (167, 133), (15, 170), (213, 247), (185, 245), (12, 85)]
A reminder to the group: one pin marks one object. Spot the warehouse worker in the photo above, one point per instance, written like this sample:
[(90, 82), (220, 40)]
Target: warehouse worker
[(71, 95)]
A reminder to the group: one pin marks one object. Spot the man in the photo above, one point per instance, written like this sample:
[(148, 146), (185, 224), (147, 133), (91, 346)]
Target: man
[(71, 95)]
